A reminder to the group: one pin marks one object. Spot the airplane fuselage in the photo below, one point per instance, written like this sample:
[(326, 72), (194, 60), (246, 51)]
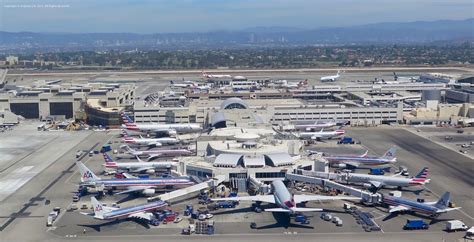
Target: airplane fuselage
[(126, 212), (138, 165), (368, 161), (282, 195), (138, 182), (412, 205), (384, 180)]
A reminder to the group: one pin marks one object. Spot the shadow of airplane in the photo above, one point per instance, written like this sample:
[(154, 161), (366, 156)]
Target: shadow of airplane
[(283, 220), (433, 220), (97, 227)]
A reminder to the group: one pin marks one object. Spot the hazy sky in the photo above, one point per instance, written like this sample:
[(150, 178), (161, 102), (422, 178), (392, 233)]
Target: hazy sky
[(148, 16)]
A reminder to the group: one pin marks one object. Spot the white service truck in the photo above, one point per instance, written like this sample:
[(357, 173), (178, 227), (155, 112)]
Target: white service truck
[(455, 225)]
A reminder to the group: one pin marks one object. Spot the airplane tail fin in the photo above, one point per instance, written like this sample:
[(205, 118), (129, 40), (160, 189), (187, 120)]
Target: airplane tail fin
[(128, 149), (108, 159), (129, 123), (390, 153), (86, 174), (139, 160), (443, 202), (365, 154), (98, 208), (423, 174)]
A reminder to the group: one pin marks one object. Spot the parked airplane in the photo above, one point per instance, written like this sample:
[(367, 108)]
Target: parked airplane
[(404, 79), (331, 78), (141, 212), (316, 125), (210, 76), (192, 85), (377, 182), (130, 184), (285, 201), (153, 127), (433, 209), (136, 167), (321, 134), (154, 153), (290, 85), (343, 161), (149, 141)]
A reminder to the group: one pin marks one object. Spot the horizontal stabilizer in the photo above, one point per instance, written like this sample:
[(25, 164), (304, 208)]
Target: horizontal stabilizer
[(307, 209), (277, 210), (450, 209)]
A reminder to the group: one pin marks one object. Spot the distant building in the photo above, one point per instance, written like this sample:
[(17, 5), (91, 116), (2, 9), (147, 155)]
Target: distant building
[(460, 95), (12, 60)]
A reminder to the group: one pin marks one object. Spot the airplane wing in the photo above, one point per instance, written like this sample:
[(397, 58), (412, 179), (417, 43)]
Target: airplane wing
[(128, 176), (157, 144), (398, 208), (376, 184), (141, 215), (304, 198), (277, 210), (352, 163), (140, 169), (153, 156), (316, 136), (134, 189), (257, 198)]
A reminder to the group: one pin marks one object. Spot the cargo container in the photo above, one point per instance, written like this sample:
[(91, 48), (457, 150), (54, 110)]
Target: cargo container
[(415, 224)]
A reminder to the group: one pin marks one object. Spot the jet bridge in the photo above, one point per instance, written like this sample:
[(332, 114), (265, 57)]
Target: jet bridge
[(307, 177), (188, 192)]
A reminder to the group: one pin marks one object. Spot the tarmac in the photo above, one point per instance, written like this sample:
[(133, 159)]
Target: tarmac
[(23, 213)]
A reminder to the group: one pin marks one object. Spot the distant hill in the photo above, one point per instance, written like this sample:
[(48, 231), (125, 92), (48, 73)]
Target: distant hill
[(420, 32)]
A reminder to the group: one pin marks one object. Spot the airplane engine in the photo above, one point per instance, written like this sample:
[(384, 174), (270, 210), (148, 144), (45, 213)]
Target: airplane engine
[(149, 192), (340, 166), (368, 185), (150, 171), (172, 133)]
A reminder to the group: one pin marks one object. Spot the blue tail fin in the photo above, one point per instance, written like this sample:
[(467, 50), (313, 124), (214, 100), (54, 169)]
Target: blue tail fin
[(108, 158), (423, 173)]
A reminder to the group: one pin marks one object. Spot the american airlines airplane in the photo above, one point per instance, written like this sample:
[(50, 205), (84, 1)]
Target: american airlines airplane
[(285, 201), (149, 141), (321, 134), (153, 127), (377, 182), (362, 161), (154, 153), (331, 78), (210, 76), (191, 85), (130, 184), (433, 209), (316, 125), (136, 167), (141, 212)]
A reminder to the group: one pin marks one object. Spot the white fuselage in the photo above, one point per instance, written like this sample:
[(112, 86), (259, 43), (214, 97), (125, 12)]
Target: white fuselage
[(384, 180)]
